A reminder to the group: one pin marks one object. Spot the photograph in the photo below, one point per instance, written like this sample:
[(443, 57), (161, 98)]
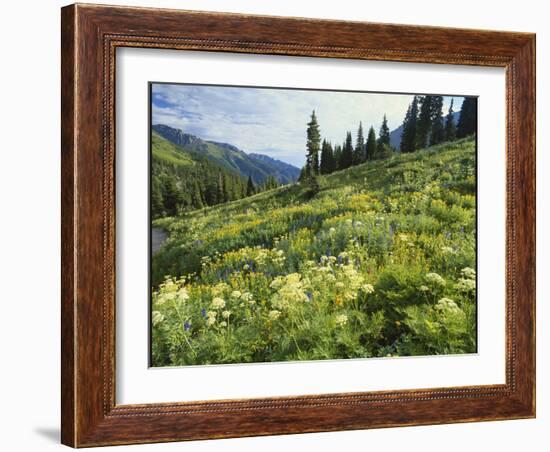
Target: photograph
[(299, 224)]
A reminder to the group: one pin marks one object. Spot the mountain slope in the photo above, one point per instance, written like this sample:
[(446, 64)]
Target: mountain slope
[(379, 262), (450, 164), (230, 157)]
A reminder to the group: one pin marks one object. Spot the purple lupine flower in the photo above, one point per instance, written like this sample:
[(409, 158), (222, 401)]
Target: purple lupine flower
[(203, 312), (186, 326)]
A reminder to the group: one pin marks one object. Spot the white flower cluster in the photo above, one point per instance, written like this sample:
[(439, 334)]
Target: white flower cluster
[(448, 306), (157, 317), (435, 279), (341, 319), (468, 281), (290, 289), (218, 303)]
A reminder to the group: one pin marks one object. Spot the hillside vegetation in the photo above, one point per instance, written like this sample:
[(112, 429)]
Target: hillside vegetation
[(379, 262)]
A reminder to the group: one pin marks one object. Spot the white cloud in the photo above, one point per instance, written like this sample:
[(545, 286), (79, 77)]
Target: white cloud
[(273, 121)]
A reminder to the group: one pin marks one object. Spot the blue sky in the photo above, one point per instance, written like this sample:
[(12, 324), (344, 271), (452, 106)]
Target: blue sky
[(273, 121)]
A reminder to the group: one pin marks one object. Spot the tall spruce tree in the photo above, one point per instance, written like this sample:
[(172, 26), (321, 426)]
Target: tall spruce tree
[(347, 153), (371, 144), (424, 125), (450, 126), (384, 134), (313, 145), (408, 138), (438, 128), (467, 123), (359, 151), (327, 158)]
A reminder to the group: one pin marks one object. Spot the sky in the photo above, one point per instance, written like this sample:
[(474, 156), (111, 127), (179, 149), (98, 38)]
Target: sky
[(273, 121)]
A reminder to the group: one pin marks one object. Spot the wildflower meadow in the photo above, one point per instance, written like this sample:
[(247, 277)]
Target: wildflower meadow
[(377, 261)]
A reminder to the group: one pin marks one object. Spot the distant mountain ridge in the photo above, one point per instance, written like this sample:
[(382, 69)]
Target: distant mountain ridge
[(258, 166)]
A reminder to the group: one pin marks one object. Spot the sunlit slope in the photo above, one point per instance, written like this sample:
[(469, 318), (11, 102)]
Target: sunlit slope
[(380, 261), (429, 191)]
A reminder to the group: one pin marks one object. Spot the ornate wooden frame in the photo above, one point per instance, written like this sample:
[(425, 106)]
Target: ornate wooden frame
[(90, 35)]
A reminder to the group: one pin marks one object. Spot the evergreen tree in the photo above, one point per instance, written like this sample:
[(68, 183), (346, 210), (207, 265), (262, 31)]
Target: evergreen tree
[(347, 153), (467, 123), (438, 129), (172, 196), (327, 158), (221, 193), (371, 144), (408, 138), (196, 197), (384, 135), (250, 188), (313, 145), (359, 152), (337, 157), (424, 124), (450, 126), (157, 201)]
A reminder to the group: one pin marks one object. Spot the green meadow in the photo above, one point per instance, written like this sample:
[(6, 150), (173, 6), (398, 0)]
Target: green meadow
[(376, 260)]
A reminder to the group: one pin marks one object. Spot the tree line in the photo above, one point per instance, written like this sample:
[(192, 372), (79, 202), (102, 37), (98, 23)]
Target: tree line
[(424, 125), (176, 189), (324, 158)]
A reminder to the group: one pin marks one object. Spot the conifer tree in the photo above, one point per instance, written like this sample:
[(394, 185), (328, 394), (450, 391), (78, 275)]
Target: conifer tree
[(438, 128), (347, 152), (371, 144), (157, 201), (327, 158), (384, 135), (250, 188), (424, 125), (172, 196), (450, 126), (337, 157), (467, 123), (220, 197), (408, 138), (359, 151), (196, 197), (313, 145)]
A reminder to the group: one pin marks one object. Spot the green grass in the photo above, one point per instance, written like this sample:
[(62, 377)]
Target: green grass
[(347, 273)]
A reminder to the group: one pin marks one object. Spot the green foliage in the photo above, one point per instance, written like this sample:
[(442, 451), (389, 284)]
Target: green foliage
[(359, 151), (183, 181), (437, 134), (377, 261), (409, 138), (347, 153), (371, 144), (328, 163), (467, 123), (450, 126), (313, 145), (424, 123), (384, 134)]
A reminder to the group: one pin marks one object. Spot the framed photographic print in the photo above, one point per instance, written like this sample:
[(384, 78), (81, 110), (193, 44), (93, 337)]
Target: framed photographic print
[(280, 225)]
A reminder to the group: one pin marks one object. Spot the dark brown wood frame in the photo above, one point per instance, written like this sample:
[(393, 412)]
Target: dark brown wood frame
[(90, 36)]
